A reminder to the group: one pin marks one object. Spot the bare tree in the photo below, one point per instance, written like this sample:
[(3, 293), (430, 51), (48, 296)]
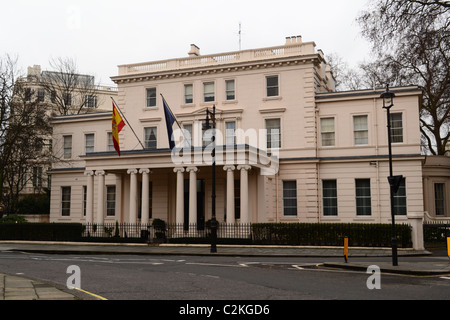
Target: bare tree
[(412, 42), (70, 92), (24, 130)]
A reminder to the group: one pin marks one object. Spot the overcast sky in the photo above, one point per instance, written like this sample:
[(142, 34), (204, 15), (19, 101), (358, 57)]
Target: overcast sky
[(100, 35)]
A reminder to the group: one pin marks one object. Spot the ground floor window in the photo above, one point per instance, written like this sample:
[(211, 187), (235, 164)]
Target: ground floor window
[(329, 194), (110, 201), (290, 198), (400, 200), (363, 199), (439, 199), (65, 201)]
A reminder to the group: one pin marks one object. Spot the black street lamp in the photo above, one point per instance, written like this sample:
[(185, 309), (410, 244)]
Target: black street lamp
[(394, 181), (213, 211)]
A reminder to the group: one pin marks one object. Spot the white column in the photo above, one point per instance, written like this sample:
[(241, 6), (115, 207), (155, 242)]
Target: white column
[(145, 198), (133, 196), (245, 215), (230, 193), (100, 197), (90, 197), (180, 196), (192, 194)]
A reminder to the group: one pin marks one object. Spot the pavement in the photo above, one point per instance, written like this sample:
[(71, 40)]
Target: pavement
[(16, 287)]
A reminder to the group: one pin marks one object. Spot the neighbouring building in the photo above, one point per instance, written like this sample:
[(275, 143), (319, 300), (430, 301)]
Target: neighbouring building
[(290, 148)]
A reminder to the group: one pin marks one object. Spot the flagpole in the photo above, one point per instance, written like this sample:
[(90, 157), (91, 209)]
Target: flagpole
[(118, 109), (182, 130)]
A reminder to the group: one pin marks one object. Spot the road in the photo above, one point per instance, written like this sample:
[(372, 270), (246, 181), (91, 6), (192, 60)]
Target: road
[(120, 277)]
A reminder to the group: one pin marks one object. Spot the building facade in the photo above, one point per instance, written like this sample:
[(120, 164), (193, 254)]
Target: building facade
[(289, 147)]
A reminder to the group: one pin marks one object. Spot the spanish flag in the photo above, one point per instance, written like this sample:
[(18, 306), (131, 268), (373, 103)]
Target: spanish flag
[(117, 126)]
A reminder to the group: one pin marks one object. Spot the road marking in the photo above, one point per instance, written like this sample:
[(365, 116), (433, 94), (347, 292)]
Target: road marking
[(297, 267), (446, 278), (92, 294)]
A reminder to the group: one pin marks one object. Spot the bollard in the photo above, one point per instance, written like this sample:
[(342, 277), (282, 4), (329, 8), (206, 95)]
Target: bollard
[(346, 249), (448, 247)]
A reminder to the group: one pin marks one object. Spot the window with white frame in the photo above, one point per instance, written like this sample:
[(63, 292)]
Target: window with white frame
[(37, 177), (230, 90), (273, 127), (329, 195), (396, 128), (290, 198), (84, 200), (150, 138), (188, 93), (187, 135), (89, 143), (65, 201), (328, 132), (230, 133), (151, 97), (110, 201), (110, 142), (208, 91), (363, 197), (400, 205), (272, 86), (67, 147), (361, 130)]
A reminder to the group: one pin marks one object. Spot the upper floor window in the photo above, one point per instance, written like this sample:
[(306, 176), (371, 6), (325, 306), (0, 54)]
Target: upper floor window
[(272, 86), (188, 93), (151, 97), (208, 91), (273, 127), (230, 90), (150, 138), (89, 143), (327, 130), (110, 143), (230, 133), (90, 101), (397, 127), (41, 95), (67, 147), (361, 130)]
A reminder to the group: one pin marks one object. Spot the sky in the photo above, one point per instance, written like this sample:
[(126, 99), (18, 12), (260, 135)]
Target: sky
[(101, 35)]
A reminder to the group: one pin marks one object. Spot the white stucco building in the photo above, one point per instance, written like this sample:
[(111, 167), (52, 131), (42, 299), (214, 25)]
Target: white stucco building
[(322, 158)]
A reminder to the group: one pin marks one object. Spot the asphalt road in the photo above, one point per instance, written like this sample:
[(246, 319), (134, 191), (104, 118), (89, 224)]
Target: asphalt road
[(179, 278)]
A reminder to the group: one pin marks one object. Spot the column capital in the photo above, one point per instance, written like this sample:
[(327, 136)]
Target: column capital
[(100, 173), (181, 169), (229, 168), (147, 171), (244, 167), (132, 171), (89, 173), (193, 169)]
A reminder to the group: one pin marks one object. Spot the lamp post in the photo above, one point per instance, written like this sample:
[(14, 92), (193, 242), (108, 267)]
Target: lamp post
[(394, 181), (213, 211)]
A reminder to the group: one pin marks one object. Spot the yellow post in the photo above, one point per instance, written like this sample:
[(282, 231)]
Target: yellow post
[(346, 249), (448, 246)]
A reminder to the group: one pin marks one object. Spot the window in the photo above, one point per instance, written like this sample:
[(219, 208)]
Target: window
[(41, 95), (273, 128), (67, 147), (37, 177), (397, 128), (361, 130), (90, 101), (187, 135), (290, 198), (328, 135), (272, 86), (150, 138), (237, 199), (439, 199), (363, 200), (208, 90), (151, 97), (230, 133), (110, 201), (67, 97), (400, 200), (230, 90), (329, 194), (110, 145), (89, 143), (84, 200), (65, 201), (188, 93)]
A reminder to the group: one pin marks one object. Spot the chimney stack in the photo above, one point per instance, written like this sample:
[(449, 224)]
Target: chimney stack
[(195, 51)]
